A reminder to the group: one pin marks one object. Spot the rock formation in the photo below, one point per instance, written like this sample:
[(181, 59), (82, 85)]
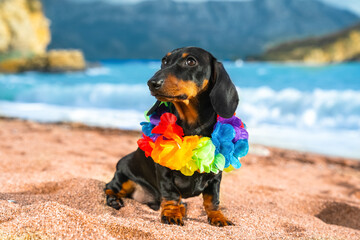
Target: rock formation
[(24, 29), (24, 37), (337, 47), (52, 61)]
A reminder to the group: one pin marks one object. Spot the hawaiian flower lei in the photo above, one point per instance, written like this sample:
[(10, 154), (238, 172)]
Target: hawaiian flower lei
[(165, 142)]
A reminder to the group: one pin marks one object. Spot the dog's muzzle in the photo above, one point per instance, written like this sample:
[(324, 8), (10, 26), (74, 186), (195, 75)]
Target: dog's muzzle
[(155, 83)]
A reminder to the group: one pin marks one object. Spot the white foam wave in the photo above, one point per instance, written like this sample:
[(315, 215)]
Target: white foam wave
[(126, 119), (97, 71), (344, 143), (291, 107), (122, 96), (263, 124), (317, 109), (15, 79)]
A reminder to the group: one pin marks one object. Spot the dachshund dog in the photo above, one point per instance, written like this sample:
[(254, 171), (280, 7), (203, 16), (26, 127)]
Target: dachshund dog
[(200, 89)]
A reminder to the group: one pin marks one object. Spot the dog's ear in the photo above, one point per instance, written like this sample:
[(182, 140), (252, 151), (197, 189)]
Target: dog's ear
[(224, 97), (153, 108)]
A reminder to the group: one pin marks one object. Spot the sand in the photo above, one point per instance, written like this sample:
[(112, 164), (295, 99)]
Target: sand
[(53, 175)]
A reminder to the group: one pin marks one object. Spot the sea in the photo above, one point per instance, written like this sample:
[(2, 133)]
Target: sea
[(311, 108)]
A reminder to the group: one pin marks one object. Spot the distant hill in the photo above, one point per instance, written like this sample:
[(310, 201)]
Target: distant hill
[(336, 47), (151, 28)]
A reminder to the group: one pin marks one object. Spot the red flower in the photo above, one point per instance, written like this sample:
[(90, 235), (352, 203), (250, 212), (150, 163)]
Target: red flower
[(144, 144), (168, 127)]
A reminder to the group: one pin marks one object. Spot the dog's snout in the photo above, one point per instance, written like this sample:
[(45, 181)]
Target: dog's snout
[(155, 83)]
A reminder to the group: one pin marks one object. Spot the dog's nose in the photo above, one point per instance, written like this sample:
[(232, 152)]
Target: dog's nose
[(155, 83)]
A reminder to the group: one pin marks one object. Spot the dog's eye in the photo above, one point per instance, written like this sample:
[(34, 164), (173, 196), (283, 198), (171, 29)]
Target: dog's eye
[(164, 61), (190, 61)]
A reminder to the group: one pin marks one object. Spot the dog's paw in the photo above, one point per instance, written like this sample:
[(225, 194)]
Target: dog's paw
[(172, 213), (216, 218), (172, 220), (114, 201)]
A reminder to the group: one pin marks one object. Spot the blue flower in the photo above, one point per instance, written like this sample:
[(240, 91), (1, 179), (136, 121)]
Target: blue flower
[(147, 127), (241, 148), (234, 161), (222, 137)]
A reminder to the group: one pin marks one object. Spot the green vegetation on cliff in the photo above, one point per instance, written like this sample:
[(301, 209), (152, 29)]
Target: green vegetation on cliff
[(337, 47)]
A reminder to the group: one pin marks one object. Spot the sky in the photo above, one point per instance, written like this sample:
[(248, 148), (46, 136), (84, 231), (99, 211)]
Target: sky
[(352, 5)]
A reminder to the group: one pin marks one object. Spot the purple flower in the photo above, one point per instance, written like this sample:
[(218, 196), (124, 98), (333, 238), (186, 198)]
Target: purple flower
[(233, 121), (155, 117), (241, 133), (237, 124)]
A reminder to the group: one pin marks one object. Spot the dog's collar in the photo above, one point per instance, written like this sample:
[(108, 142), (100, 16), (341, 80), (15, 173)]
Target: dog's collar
[(165, 142)]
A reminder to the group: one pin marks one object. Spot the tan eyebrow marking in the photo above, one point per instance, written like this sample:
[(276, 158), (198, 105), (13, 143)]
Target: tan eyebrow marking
[(184, 55)]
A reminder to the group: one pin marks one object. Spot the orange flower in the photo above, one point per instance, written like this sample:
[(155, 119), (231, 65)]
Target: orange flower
[(172, 154), (164, 150)]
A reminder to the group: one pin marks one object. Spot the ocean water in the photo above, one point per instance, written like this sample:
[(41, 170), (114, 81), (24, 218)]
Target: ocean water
[(303, 107)]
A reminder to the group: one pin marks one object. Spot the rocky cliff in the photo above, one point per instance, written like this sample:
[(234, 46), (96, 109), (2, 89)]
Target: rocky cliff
[(52, 61), (24, 30), (24, 37), (337, 47)]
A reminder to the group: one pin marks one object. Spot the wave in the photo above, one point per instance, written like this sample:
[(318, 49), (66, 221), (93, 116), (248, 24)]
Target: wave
[(334, 109), (126, 119), (97, 71), (342, 142), (291, 107), (122, 96), (323, 121)]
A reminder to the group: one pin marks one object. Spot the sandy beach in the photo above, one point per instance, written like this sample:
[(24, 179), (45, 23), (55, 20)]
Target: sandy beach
[(53, 175)]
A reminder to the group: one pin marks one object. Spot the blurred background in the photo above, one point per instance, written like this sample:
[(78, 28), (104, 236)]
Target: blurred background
[(295, 63)]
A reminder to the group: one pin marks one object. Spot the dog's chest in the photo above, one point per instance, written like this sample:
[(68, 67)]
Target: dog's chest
[(190, 186)]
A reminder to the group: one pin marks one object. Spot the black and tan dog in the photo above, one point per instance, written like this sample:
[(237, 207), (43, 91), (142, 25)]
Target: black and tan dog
[(200, 89)]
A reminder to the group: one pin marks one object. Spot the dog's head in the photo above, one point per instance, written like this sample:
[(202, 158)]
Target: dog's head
[(187, 72)]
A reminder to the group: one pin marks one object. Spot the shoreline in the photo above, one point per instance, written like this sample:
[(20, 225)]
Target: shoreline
[(121, 131), (53, 177)]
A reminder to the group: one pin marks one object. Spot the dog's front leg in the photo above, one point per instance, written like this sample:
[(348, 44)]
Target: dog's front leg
[(211, 195), (172, 210)]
